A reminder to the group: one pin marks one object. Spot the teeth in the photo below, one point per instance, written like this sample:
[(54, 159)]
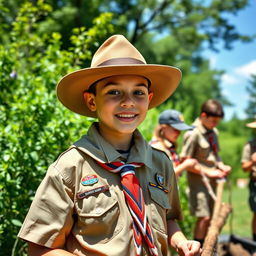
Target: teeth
[(126, 116)]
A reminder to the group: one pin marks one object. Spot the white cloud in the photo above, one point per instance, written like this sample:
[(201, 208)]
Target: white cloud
[(225, 92), (247, 70), (213, 61), (229, 79)]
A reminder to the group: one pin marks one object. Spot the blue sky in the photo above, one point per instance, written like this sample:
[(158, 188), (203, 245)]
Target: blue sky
[(238, 63)]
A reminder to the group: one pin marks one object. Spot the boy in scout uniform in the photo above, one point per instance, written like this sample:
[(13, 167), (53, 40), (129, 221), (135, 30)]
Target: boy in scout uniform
[(166, 134), (249, 165), (202, 144), (110, 193)]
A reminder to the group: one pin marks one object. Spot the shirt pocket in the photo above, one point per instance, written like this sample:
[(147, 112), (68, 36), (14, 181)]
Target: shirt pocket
[(159, 206), (99, 217), (203, 149)]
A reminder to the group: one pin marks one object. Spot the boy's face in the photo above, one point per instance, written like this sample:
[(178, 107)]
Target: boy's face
[(209, 122), (121, 103)]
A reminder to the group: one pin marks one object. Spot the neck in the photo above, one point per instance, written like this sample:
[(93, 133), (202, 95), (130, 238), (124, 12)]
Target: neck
[(120, 141)]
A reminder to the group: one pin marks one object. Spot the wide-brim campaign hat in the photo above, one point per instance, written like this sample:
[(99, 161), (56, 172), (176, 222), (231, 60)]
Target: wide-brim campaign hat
[(251, 125), (116, 56)]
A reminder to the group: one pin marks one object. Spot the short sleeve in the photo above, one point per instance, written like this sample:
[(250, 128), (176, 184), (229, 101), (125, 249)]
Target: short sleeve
[(50, 217), (246, 154), (189, 144), (175, 212)]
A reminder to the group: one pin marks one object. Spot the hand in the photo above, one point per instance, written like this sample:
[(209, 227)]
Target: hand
[(217, 173), (225, 168), (189, 248)]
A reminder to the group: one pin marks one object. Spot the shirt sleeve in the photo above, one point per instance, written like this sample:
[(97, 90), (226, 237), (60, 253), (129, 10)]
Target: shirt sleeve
[(189, 145), (50, 217), (175, 212), (246, 154)]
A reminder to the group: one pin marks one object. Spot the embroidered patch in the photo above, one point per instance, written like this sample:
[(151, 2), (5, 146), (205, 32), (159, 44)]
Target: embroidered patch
[(89, 180), (92, 192), (159, 179), (158, 186)]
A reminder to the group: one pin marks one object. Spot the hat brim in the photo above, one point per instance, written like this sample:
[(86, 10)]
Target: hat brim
[(251, 125), (182, 126), (164, 80)]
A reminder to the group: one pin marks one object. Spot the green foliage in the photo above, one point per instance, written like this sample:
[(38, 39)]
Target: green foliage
[(239, 221), (233, 136), (231, 153), (187, 225), (34, 127)]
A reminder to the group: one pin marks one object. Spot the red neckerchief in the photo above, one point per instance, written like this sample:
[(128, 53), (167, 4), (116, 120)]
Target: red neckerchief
[(175, 156), (213, 143)]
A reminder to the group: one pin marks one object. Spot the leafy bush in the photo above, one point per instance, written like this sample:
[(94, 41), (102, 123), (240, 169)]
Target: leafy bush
[(34, 127)]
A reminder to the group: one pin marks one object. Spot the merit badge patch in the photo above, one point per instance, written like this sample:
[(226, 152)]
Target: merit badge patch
[(89, 180), (91, 192), (159, 179)]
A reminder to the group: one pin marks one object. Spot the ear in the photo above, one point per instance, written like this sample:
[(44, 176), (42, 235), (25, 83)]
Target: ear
[(89, 99), (203, 114), (150, 96)]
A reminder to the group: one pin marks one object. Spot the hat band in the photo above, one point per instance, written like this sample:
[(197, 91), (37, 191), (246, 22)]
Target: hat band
[(120, 61)]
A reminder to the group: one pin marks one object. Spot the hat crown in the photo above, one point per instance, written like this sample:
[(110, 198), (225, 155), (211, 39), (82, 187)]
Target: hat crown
[(117, 50), (170, 116)]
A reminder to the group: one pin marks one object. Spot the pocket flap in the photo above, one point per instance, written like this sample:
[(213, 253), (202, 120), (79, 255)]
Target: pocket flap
[(159, 197)]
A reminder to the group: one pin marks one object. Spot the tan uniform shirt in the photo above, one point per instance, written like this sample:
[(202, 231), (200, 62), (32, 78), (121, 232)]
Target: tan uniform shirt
[(100, 223), (248, 150), (196, 145), (163, 146)]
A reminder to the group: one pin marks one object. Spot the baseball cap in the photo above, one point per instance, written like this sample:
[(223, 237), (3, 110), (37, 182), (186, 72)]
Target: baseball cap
[(175, 119)]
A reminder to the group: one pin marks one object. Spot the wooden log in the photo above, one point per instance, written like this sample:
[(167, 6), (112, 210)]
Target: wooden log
[(220, 214)]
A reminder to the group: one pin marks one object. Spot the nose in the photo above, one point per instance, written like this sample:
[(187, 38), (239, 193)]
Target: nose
[(127, 101)]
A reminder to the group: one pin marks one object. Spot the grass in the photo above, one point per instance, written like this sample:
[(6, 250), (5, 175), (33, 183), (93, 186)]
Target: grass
[(239, 221)]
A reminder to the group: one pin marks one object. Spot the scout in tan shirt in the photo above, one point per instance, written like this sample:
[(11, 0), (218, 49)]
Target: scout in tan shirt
[(110, 193), (171, 124), (249, 165), (202, 144)]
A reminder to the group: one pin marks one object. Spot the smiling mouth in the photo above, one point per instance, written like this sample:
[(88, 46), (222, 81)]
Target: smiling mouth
[(126, 116)]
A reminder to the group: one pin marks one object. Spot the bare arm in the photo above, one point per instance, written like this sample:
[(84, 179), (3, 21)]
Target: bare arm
[(188, 163), (38, 250), (247, 166), (209, 172)]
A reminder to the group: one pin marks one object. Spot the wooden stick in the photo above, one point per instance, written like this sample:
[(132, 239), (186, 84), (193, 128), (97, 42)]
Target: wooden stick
[(220, 214), (218, 202), (214, 230)]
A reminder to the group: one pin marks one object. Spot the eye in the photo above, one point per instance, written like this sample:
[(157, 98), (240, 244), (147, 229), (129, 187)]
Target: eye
[(113, 92), (139, 92)]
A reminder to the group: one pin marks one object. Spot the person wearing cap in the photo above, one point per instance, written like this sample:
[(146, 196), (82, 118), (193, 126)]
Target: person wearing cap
[(110, 193), (166, 133), (249, 165), (202, 144)]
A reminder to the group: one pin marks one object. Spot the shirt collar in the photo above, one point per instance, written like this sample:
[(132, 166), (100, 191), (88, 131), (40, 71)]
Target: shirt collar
[(200, 127), (99, 149)]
